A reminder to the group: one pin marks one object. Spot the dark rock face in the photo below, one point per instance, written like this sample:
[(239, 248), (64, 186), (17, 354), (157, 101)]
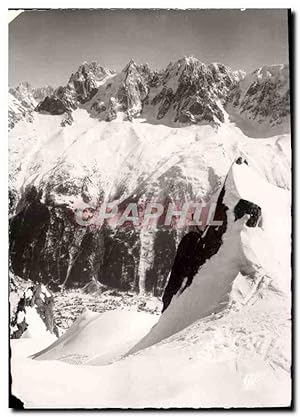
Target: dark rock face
[(193, 98), (52, 105), (48, 246), (263, 101), (186, 264), (28, 235), (39, 298), (118, 268), (246, 207), (241, 161), (164, 249), (193, 251), (84, 80)]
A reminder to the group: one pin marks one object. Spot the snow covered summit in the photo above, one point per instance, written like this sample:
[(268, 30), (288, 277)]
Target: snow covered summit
[(23, 100)]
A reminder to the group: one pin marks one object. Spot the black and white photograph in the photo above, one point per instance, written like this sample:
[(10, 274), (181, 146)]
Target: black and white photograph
[(150, 208)]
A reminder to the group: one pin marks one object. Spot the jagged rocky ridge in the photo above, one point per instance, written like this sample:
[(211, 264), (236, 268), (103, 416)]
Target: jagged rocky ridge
[(186, 92)]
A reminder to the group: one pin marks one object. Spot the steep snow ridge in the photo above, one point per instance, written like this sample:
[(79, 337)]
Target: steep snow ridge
[(243, 252)]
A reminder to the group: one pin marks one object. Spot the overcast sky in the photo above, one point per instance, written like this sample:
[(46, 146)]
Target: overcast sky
[(45, 47)]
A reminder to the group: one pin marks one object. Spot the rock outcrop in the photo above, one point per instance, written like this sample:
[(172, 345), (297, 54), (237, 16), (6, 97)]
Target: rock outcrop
[(34, 313), (52, 105)]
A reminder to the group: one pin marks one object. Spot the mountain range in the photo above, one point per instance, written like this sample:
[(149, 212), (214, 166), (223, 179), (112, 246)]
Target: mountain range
[(133, 136), (186, 92)]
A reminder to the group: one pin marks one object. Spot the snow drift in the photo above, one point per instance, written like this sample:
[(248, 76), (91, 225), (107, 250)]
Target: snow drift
[(97, 339)]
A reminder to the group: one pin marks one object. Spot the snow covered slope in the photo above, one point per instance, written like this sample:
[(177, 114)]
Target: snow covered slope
[(105, 335), (55, 170), (237, 360)]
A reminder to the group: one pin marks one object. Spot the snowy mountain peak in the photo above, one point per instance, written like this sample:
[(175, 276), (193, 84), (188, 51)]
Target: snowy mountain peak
[(263, 97), (91, 70), (86, 80), (274, 73), (22, 101), (131, 64), (136, 70)]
